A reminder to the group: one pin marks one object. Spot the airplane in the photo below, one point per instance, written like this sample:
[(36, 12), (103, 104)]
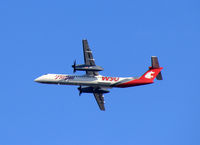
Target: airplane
[(93, 82)]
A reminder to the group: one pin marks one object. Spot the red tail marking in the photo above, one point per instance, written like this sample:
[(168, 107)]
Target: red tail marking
[(151, 74), (146, 78)]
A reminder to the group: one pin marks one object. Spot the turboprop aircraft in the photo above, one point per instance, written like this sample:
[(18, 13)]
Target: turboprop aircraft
[(93, 82)]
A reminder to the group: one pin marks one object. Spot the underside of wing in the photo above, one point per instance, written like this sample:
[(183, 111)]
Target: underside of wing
[(100, 100), (88, 58)]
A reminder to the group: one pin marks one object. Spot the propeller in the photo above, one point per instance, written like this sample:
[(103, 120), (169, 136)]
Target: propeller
[(74, 66), (80, 90)]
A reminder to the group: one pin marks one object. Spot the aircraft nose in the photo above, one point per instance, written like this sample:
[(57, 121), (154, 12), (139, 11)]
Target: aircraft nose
[(38, 79)]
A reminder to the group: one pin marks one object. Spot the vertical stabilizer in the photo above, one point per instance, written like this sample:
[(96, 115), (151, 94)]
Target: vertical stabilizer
[(155, 64)]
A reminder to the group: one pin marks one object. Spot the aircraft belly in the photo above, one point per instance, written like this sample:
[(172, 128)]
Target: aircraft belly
[(87, 83)]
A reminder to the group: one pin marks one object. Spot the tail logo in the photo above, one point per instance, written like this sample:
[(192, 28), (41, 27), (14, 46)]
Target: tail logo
[(149, 75)]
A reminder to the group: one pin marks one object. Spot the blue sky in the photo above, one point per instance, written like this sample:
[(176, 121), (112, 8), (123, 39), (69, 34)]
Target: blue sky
[(38, 37)]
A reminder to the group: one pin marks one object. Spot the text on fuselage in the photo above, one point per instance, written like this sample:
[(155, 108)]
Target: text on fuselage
[(62, 77), (110, 79)]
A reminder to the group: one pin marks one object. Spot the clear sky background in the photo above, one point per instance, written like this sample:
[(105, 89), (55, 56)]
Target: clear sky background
[(40, 36)]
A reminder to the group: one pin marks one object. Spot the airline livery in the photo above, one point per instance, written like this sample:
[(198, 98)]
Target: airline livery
[(92, 82)]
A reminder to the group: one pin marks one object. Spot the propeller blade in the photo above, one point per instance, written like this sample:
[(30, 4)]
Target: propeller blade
[(74, 66), (80, 90)]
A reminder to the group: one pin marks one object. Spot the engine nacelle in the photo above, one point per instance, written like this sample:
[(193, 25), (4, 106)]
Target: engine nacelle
[(92, 90), (83, 67)]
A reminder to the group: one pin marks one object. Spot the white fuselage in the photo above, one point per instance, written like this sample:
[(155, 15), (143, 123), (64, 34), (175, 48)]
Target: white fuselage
[(81, 80)]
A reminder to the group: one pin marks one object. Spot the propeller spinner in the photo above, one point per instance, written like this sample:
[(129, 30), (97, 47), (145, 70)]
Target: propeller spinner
[(74, 66)]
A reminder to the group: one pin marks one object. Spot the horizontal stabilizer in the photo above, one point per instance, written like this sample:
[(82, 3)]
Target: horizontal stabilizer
[(159, 76)]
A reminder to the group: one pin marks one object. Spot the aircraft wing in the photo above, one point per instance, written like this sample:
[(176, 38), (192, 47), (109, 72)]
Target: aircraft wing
[(100, 100), (88, 58)]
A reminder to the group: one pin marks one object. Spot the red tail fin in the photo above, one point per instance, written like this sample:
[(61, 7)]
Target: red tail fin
[(151, 74), (148, 77)]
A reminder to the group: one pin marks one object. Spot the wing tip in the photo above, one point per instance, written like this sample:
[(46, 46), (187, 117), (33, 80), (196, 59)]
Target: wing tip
[(102, 109)]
